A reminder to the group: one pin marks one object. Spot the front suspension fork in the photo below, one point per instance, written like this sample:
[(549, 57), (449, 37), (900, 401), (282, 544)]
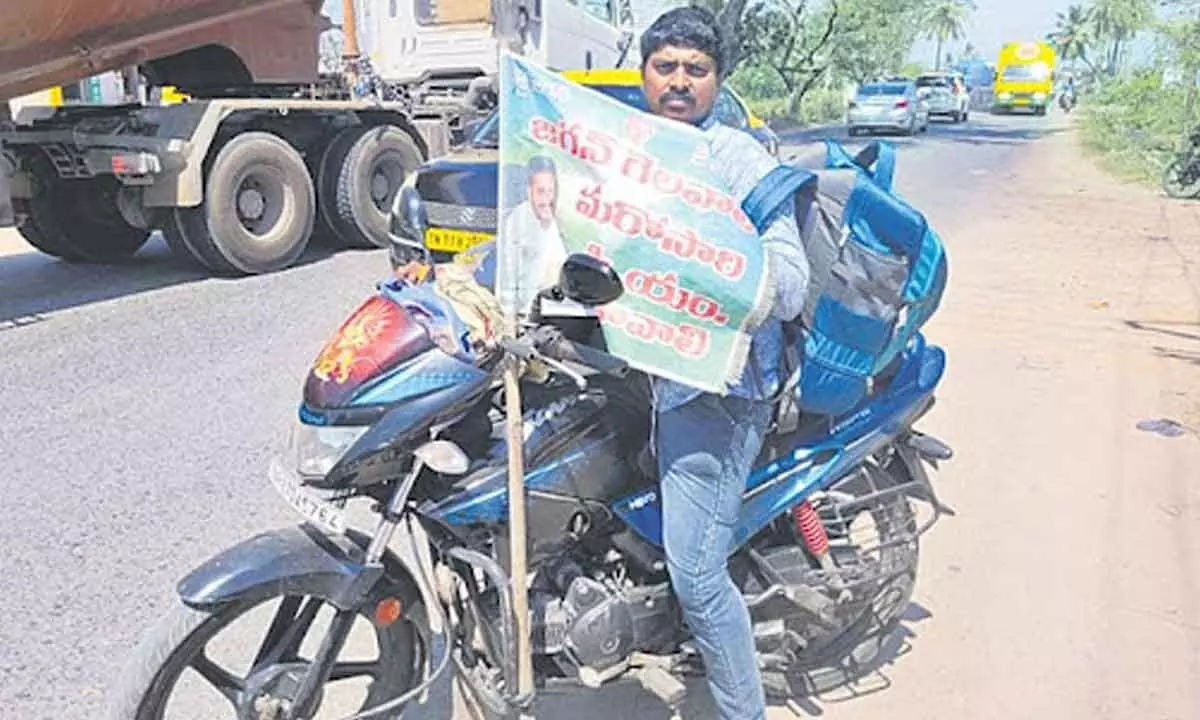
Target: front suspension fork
[(309, 694)]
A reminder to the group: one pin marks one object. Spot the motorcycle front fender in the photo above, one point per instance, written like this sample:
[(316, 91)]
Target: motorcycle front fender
[(298, 560)]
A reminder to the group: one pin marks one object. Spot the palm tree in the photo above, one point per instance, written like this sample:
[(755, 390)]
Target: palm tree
[(947, 21), (1116, 22), (1073, 36)]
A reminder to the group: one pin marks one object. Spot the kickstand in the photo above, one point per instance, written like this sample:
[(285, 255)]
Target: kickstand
[(665, 687)]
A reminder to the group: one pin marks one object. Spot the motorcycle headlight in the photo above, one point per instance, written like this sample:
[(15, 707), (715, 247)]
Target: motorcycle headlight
[(314, 449)]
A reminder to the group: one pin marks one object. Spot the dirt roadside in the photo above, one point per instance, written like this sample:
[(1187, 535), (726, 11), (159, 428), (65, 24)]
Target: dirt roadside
[(1068, 584)]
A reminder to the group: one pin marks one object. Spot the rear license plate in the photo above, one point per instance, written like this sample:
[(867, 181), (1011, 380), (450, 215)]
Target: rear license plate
[(454, 241), (317, 511)]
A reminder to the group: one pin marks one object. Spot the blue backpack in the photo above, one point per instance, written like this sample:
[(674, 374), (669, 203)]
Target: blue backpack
[(877, 271)]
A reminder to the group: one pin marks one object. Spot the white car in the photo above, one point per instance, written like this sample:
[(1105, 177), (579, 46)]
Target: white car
[(892, 105), (946, 94)]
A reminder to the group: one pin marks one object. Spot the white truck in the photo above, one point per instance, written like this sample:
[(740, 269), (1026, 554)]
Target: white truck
[(265, 149)]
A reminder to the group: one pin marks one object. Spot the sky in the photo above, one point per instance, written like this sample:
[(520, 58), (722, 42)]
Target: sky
[(996, 22)]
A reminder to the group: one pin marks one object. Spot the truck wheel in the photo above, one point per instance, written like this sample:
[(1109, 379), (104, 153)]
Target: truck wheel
[(327, 175), (258, 209), (76, 220), (188, 239), (360, 175)]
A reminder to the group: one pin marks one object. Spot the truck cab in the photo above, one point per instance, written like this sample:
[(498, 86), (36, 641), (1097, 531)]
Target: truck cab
[(444, 48)]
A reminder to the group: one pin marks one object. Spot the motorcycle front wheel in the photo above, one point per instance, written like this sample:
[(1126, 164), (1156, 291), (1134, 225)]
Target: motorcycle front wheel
[(1176, 182), (177, 656)]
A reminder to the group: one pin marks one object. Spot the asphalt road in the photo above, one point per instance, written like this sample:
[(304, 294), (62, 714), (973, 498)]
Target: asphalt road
[(140, 404)]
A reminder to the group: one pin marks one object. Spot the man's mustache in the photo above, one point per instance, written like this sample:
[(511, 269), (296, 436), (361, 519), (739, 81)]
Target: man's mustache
[(677, 96)]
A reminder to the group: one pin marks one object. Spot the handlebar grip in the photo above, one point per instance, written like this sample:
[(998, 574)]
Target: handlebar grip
[(598, 360)]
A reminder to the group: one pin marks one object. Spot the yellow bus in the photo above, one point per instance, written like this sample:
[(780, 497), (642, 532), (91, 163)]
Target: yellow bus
[(1024, 77)]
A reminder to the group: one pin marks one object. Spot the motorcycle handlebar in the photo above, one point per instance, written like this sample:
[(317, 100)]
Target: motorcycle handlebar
[(567, 351)]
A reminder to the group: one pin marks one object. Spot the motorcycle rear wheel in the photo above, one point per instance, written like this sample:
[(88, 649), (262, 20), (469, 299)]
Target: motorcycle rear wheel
[(180, 641), (1175, 186), (834, 659)]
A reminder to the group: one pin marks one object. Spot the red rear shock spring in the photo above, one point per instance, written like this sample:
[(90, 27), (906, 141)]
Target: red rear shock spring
[(810, 527)]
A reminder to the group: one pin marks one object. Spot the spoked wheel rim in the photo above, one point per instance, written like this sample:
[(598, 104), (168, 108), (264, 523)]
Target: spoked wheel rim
[(831, 657), (1178, 186), (278, 665), (876, 602)]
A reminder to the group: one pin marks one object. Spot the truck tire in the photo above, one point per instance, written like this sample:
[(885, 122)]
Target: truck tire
[(76, 220), (360, 175), (193, 247), (258, 211), (328, 174)]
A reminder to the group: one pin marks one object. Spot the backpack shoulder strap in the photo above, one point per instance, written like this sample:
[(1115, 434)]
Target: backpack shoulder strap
[(877, 160), (884, 161), (774, 190)]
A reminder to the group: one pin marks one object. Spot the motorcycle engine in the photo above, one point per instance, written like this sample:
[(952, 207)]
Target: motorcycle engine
[(597, 627)]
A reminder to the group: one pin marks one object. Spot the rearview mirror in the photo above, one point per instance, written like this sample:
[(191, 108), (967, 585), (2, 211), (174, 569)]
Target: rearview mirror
[(444, 457), (589, 281)]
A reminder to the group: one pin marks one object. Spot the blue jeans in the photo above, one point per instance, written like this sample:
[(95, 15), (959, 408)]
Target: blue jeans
[(705, 450)]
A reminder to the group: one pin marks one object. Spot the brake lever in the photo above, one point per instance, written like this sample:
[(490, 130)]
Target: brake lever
[(526, 348), (580, 381)]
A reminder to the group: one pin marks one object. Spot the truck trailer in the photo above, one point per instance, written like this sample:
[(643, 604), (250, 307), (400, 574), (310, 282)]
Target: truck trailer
[(264, 150)]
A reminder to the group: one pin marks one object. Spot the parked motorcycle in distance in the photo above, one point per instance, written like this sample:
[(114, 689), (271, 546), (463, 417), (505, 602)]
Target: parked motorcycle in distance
[(1181, 176), (412, 425)]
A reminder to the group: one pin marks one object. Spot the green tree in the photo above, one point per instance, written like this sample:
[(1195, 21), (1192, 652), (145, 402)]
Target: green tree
[(1073, 35), (946, 21), (1116, 22), (793, 39), (788, 48), (730, 16), (875, 37)]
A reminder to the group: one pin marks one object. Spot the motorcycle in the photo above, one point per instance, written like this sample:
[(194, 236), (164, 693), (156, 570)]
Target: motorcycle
[(1181, 176), (399, 414), (1066, 101)]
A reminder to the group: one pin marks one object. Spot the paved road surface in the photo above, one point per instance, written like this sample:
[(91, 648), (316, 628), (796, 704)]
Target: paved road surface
[(140, 404)]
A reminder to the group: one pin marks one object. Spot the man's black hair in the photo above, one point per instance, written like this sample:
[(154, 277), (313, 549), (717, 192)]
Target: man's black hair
[(689, 27)]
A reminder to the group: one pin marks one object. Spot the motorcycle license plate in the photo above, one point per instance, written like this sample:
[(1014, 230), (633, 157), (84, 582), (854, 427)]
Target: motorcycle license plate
[(317, 511), (453, 241)]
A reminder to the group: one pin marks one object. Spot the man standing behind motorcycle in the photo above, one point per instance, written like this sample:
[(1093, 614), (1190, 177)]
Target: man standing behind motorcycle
[(705, 444)]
